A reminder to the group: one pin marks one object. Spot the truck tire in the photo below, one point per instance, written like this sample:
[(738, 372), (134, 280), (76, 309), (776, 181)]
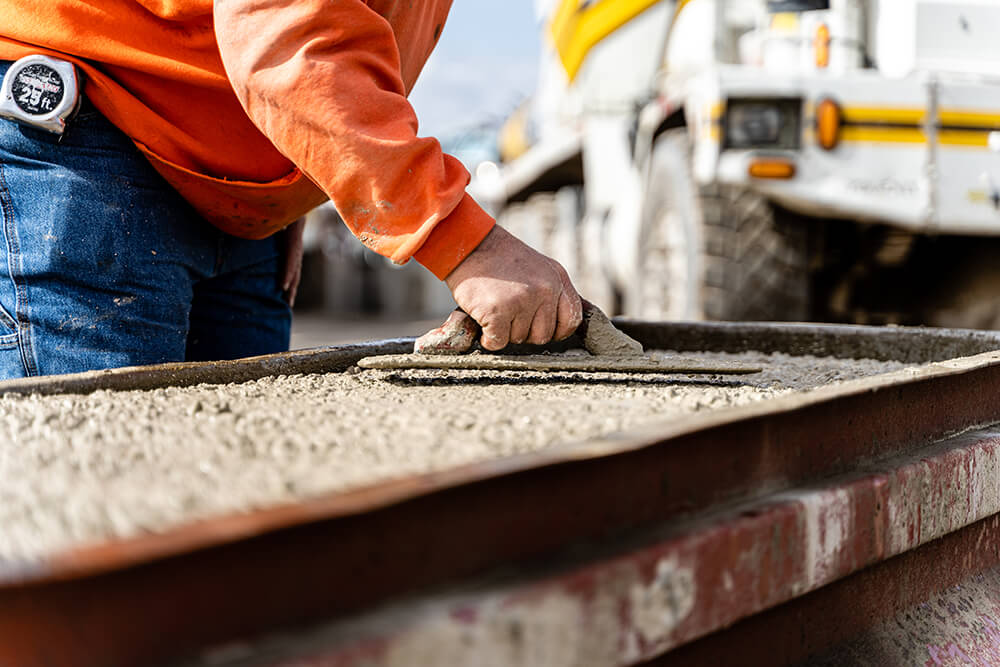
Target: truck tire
[(714, 252)]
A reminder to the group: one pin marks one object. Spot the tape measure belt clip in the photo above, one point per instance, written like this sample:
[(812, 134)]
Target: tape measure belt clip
[(41, 92)]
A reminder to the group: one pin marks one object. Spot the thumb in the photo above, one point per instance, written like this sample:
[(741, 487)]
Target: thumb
[(496, 334)]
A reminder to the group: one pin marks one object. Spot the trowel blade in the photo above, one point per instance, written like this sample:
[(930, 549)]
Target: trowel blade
[(602, 338), (554, 362)]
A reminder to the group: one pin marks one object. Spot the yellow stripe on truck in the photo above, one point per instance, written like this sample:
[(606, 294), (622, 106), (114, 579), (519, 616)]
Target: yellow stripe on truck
[(560, 26), (578, 26), (977, 119), (960, 127), (887, 135), (973, 138), (956, 127), (883, 115)]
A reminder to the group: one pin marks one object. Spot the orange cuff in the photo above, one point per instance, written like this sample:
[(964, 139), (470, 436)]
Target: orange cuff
[(454, 238)]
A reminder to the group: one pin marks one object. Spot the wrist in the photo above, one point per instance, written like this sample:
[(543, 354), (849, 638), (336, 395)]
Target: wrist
[(455, 238)]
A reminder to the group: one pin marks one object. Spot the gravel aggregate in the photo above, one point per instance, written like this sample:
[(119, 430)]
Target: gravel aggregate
[(80, 469)]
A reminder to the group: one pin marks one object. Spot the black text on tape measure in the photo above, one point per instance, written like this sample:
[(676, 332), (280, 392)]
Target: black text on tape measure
[(38, 89)]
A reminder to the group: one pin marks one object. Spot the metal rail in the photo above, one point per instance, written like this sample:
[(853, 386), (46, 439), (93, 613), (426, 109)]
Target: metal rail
[(680, 530), (837, 573)]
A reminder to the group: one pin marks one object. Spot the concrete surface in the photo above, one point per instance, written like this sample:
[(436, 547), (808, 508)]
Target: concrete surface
[(85, 468)]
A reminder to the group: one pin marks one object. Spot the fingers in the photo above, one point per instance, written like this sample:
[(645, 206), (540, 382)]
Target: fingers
[(293, 287), (543, 325), (496, 333), (569, 310), (292, 276), (521, 328), (291, 272), (560, 319), (517, 294), (531, 318)]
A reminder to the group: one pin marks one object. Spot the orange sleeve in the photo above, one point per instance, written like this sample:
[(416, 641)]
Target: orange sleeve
[(324, 81)]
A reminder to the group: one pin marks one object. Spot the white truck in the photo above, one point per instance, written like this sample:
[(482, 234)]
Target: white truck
[(766, 159)]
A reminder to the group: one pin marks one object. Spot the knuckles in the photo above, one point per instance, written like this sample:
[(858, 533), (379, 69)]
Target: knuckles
[(525, 291)]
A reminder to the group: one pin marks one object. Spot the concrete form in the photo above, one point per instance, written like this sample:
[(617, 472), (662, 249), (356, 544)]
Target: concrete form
[(808, 528)]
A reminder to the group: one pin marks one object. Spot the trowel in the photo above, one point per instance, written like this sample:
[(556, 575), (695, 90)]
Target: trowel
[(454, 346), (460, 334)]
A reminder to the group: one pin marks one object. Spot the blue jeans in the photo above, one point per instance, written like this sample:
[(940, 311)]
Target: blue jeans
[(103, 264)]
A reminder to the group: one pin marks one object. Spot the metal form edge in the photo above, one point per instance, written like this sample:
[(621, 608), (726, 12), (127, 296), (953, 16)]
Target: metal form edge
[(703, 575)]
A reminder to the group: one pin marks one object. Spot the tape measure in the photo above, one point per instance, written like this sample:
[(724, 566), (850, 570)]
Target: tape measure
[(41, 92)]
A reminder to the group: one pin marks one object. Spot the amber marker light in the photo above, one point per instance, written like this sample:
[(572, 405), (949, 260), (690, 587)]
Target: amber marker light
[(828, 124), (822, 45), (771, 168)]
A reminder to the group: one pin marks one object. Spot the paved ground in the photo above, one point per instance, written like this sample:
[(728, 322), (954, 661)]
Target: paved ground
[(315, 330)]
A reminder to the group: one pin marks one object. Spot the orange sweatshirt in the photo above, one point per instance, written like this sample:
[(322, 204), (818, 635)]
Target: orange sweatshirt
[(261, 109)]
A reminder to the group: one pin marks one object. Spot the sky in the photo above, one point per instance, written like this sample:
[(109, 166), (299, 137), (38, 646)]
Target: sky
[(483, 66)]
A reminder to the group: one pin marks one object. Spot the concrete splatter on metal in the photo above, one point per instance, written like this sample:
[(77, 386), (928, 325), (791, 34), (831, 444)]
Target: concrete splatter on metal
[(659, 606), (616, 613), (546, 631), (933, 495), (579, 623), (827, 525)]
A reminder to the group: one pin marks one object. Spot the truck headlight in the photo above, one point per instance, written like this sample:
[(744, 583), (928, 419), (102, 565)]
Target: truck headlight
[(763, 123)]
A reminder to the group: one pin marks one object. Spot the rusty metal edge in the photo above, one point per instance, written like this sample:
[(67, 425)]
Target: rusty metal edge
[(670, 588), (906, 344), (314, 360), (894, 613), (112, 555)]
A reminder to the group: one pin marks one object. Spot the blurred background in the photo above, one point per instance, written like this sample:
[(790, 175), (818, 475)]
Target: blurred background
[(804, 160)]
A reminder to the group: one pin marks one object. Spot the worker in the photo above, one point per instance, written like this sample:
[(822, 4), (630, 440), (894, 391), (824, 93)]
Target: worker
[(153, 221)]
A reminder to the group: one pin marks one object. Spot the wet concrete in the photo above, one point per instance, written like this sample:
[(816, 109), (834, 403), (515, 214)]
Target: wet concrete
[(601, 338), (85, 468)]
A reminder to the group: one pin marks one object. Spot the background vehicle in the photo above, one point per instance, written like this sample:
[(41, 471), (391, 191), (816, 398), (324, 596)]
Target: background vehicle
[(752, 159)]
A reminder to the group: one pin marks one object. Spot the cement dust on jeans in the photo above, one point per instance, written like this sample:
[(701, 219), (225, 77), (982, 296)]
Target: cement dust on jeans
[(82, 469)]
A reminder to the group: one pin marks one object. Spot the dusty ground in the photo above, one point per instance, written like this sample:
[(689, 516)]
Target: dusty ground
[(314, 329), (79, 469)]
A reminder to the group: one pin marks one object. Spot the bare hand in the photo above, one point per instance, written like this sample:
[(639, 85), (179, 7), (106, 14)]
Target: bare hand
[(515, 293), (292, 272)]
